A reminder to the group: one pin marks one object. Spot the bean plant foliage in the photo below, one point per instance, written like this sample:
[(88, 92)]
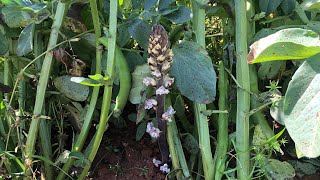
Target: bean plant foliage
[(218, 102)]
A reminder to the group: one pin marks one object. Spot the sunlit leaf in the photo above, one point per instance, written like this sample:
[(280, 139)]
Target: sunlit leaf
[(70, 89), (286, 44), (302, 107), (25, 42), (311, 5)]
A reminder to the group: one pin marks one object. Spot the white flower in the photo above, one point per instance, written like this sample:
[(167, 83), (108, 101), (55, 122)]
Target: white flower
[(150, 103), (165, 168), (156, 162), (149, 81), (162, 90), (168, 82), (153, 131), (156, 73), (168, 114)]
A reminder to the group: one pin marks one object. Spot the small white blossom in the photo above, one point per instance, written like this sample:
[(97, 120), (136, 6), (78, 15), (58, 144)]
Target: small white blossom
[(162, 90), (153, 131), (149, 81), (168, 82), (165, 168), (156, 73), (150, 103), (168, 114), (156, 162)]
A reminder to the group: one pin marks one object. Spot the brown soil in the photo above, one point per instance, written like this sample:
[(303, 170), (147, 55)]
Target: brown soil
[(122, 157)]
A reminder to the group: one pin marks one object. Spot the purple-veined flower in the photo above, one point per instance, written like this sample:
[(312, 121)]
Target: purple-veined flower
[(149, 81), (162, 90), (156, 162), (165, 168), (168, 114), (153, 131), (168, 82), (156, 73), (150, 103)]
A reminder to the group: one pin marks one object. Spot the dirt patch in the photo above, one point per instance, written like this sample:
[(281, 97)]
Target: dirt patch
[(122, 157)]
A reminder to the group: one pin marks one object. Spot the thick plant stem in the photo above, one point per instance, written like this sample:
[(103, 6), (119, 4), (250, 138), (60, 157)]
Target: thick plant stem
[(173, 135), (243, 96), (107, 89), (201, 120), (42, 86), (44, 130), (222, 123), (94, 97)]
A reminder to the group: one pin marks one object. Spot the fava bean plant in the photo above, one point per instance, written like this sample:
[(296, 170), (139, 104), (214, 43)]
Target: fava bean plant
[(227, 89)]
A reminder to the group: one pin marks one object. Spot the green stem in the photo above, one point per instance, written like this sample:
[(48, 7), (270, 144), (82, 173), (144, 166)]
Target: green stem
[(42, 86), (94, 97), (243, 97), (201, 120), (107, 89), (44, 130), (173, 134), (222, 123)]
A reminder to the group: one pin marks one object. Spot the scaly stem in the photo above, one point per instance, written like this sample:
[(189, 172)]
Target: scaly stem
[(94, 97), (243, 96), (107, 89), (222, 123), (201, 120), (42, 85)]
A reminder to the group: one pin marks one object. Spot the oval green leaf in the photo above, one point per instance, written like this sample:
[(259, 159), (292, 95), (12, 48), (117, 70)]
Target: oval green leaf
[(193, 72), (70, 89), (25, 42), (286, 44), (302, 107)]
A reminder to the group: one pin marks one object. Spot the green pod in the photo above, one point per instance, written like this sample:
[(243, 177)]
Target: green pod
[(124, 77)]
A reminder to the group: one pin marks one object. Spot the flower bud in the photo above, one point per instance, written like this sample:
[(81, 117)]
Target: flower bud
[(149, 81)]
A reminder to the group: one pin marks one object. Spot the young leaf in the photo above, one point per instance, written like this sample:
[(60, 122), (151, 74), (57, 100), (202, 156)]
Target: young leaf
[(141, 130), (25, 42), (286, 44), (193, 72), (302, 107)]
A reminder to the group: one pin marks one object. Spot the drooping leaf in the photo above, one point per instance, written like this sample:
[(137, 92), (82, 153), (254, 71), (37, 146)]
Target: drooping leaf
[(286, 44), (268, 6), (25, 42), (190, 144), (138, 87), (288, 6), (193, 72), (4, 46), (302, 107), (269, 70), (279, 170), (141, 130), (140, 30), (181, 15), (70, 89), (311, 5), (15, 18)]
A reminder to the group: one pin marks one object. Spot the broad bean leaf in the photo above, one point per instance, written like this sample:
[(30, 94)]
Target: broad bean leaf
[(302, 107), (70, 89), (193, 72), (25, 42), (141, 130), (138, 87), (4, 46), (311, 5), (140, 30), (288, 6), (279, 170), (164, 3), (286, 44), (148, 4), (133, 59), (269, 70), (123, 35), (15, 18), (190, 144), (181, 15), (268, 6)]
